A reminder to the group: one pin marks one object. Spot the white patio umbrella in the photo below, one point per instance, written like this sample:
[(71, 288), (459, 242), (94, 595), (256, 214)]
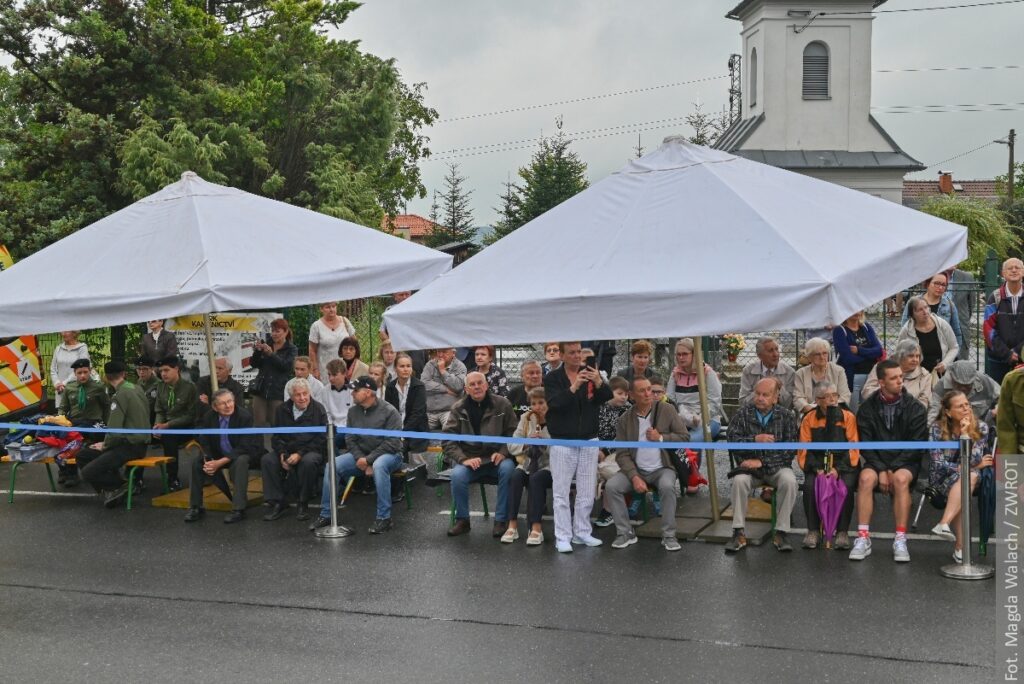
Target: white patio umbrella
[(683, 241), (196, 248)]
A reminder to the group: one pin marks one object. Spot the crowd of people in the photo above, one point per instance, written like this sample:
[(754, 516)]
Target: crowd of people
[(849, 390)]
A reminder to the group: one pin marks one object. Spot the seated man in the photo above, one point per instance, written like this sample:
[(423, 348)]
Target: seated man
[(84, 402), (234, 452), (646, 420), (888, 415), (176, 400), (532, 377), (480, 412), (370, 455), (222, 366), (963, 376), (148, 382), (444, 378), (294, 455), (768, 365), (101, 463), (764, 420), (303, 368)]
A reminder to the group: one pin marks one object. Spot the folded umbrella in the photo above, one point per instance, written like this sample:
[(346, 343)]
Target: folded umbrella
[(986, 508), (829, 495)]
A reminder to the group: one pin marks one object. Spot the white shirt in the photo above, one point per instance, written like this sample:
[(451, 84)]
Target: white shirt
[(647, 460), (327, 341), (403, 396), (337, 404)]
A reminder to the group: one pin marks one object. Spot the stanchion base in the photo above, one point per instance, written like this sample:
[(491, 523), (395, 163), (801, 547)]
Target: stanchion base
[(974, 571), (331, 532)]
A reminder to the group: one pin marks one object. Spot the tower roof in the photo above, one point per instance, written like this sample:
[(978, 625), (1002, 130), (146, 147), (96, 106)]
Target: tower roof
[(736, 11)]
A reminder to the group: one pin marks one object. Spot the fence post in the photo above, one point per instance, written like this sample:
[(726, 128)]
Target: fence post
[(991, 271)]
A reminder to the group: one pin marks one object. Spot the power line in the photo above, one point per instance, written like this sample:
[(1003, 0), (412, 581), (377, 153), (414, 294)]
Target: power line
[(950, 108), (962, 154), (923, 9), (962, 68), (588, 98)]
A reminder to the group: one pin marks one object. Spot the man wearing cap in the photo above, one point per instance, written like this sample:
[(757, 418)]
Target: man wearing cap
[(375, 456), (176, 400), (148, 382), (222, 366), (232, 452), (84, 402), (101, 463), (981, 390)]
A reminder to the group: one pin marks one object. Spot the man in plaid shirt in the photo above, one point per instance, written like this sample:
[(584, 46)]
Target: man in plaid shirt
[(764, 420)]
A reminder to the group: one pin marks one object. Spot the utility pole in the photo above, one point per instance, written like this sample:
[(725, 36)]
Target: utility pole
[(1009, 174)]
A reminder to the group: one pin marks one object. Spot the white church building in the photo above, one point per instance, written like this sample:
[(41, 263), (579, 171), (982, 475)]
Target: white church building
[(806, 95)]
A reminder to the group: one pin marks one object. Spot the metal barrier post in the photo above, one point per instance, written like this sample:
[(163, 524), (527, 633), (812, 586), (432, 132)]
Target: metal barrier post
[(966, 570), (334, 530)]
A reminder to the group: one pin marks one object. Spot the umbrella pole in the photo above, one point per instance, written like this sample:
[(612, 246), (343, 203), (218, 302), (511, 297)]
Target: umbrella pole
[(209, 353), (966, 570), (705, 415)]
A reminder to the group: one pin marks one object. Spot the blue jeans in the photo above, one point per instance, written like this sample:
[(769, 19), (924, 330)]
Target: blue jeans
[(345, 465), (462, 477), (858, 384)]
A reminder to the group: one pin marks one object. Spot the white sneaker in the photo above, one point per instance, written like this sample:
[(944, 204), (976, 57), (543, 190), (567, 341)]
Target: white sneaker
[(623, 540), (587, 540), (563, 547), (670, 543), (958, 556), (511, 534), (900, 554), (861, 548), (943, 530)]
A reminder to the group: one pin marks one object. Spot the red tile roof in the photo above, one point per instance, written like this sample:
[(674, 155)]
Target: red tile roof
[(416, 225), (920, 191)]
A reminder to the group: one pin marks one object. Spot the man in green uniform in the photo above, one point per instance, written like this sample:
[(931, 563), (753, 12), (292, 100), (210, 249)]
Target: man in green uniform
[(84, 403), (102, 462), (148, 382), (176, 400), (1010, 412)]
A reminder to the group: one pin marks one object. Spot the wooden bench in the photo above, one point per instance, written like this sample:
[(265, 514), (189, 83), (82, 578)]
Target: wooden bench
[(146, 462), (17, 464)]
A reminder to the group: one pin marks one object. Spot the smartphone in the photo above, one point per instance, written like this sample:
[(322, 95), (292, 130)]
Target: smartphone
[(590, 361)]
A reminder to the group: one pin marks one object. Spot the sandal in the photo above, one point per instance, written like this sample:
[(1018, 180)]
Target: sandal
[(535, 539), (511, 534)]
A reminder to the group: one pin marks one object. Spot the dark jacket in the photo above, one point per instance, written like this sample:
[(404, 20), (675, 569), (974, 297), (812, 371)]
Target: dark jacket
[(204, 386), (910, 425), (275, 370), (415, 411), (1004, 330), (300, 442), (847, 359), (664, 419), (838, 425), (252, 445), (499, 420), (182, 413), (380, 416), (129, 410), (158, 351), (745, 425), (519, 399), (572, 415), (97, 403)]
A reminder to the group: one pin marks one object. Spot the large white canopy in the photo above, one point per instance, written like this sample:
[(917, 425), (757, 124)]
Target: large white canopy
[(685, 240), (197, 247)]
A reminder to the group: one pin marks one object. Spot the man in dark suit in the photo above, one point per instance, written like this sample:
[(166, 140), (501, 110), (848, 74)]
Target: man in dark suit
[(233, 452), (409, 396), (204, 387)]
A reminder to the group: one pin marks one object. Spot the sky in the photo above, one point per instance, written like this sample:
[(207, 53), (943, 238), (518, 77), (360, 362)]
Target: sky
[(482, 56)]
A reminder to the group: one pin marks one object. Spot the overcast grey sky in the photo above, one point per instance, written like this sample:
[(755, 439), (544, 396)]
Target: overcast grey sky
[(484, 55)]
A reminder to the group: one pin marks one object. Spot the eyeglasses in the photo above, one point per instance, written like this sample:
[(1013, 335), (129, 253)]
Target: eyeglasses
[(940, 285)]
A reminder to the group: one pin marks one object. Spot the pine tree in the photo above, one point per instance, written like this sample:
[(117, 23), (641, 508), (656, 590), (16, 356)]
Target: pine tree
[(457, 220), (554, 175), (706, 127), (508, 214)]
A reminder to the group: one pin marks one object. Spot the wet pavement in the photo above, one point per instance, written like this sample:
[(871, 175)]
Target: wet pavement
[(93, 595)]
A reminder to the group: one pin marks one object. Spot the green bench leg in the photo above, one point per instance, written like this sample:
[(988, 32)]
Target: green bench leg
[(49, 475), (131, 487), (163, 478), (408, 494), (774, 514), (439, 463), (14, 476), (483, 498)]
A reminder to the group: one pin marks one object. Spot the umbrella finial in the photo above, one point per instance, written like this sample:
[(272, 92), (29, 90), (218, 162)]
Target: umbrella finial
[(674, 139), (188, 175)]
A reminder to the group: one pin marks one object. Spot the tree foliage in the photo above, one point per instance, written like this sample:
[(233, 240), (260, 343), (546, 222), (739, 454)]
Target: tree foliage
[(555, 173), (453, 218), (987, 227), (106, 102)]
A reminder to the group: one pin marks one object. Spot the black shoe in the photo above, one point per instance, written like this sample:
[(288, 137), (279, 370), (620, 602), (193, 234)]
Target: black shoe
[(781, 542), (233, 517), (461, 526), (499, 529), (398, 496), (369, 488), (320, 521), (173, 485), (71, 483), (381, 525), (303, 513), (114, 498), (61, 477), (276, 512), (194, 514), (738, 541), (139, 487)]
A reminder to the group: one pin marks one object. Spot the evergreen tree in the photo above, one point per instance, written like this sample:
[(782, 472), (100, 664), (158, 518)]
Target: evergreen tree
[(508, 215), (457, 222), (555, 174)]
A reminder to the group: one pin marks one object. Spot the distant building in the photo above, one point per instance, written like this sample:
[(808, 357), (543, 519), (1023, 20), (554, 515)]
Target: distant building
[(806, 95), (411, 227), (917, 192)]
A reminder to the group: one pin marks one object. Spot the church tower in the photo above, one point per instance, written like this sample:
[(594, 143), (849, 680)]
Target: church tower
[(807, 95)]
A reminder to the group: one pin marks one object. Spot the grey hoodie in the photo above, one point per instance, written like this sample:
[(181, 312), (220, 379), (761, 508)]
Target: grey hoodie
[(380, 416)]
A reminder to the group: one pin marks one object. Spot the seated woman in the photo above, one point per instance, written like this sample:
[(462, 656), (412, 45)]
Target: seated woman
[(818, 370), (682, 389), (941, 304), (407, 394), (916, 380), (639, 361), (858, 349), (938, 343), (533, 472), (828, 422), (497, 381), (387, 357), (379, 372), (955, 419)]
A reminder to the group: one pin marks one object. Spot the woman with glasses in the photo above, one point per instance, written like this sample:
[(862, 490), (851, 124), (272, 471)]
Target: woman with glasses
[(940, 302)]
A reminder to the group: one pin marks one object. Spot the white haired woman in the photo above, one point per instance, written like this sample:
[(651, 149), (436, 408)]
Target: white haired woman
[(682, 389), (939, 347), (820, 370), (916, 380)]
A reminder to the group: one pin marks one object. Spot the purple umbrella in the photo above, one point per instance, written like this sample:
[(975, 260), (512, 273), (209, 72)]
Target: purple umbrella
[(829, 495)]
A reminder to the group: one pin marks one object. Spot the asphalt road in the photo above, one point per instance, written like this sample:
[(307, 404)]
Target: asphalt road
[(91, 595)]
